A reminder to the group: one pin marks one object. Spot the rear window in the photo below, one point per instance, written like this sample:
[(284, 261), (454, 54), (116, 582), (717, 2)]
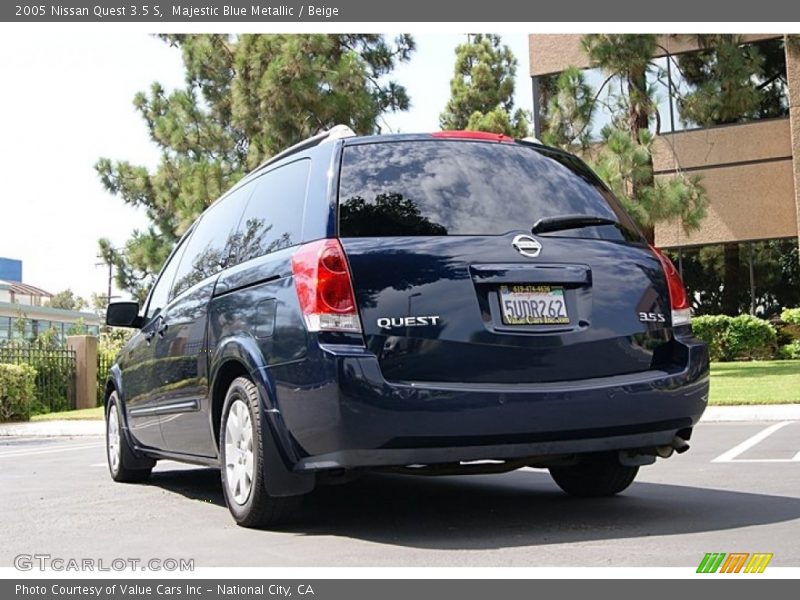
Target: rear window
[(448, 187)]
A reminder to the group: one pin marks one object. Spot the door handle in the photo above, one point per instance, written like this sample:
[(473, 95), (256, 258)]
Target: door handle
[(160, 329)]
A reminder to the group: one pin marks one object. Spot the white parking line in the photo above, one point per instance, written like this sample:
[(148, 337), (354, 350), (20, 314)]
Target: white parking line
[(49, 450), (761, 460), (730, 455), (15, 440)]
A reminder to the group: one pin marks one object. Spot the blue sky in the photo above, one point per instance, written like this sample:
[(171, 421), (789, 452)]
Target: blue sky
[(427, 77), (66, 102)]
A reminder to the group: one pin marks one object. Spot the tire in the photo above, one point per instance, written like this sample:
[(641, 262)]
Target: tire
[(242, 460), (123, 464), (596, 476)]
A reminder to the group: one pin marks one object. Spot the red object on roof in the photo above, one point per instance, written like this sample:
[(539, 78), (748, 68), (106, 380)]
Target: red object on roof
[(473, 135)]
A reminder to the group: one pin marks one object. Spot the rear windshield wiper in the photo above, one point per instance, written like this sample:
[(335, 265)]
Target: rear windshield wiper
[(560, 222)]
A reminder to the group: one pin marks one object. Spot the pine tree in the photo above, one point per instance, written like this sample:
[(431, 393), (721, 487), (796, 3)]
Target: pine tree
[(628, 58), (721, 78), (570, 110), (623, 155), (626, 165), (67, 300), (245, 98), (728, 85), (482, 89)]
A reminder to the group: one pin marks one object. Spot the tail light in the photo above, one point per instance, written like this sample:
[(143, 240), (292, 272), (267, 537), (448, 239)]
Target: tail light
[(678, 299), (324, 287)]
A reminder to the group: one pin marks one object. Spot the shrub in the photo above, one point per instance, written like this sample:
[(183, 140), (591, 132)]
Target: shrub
[(54, 376), (790, 351), (712, 330), (750, 337), (788, 326), (791, 316), (55, 373), (17, 391), (729, 338)]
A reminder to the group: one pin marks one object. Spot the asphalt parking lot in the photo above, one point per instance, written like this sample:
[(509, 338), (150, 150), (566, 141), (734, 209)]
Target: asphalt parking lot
[(736, 490)]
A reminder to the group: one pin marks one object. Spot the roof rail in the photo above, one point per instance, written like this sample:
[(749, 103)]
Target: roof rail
[(336, 132)]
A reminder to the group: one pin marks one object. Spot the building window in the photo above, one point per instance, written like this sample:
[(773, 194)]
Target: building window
[(676, 81), (16, 334), (21, 329), (691, 75)]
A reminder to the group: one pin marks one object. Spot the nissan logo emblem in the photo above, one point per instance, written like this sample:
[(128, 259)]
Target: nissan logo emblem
[(527, 246)]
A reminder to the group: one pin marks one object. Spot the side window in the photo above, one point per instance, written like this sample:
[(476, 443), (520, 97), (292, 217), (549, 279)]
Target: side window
[(214, 241), (273, 218), (159, 296)]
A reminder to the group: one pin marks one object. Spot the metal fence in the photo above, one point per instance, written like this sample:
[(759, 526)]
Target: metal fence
[(104, 362), (55, 374)]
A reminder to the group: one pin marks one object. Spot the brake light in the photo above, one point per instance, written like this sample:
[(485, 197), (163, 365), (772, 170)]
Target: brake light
[(678, 299), (324, 287), (472, 135)]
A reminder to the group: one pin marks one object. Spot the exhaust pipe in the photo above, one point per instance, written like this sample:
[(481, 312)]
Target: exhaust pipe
[(680, 444), (664, 451)]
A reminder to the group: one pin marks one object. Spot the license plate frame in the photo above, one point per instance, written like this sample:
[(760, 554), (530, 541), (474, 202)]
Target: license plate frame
[(529, 305)]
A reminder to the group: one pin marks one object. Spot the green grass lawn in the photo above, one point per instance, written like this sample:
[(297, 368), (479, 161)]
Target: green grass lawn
[(758, 382), (93, 414)]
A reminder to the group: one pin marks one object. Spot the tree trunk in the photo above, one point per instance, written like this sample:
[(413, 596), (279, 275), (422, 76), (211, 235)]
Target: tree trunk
[(731, 283), (638, 114), (639, 118)]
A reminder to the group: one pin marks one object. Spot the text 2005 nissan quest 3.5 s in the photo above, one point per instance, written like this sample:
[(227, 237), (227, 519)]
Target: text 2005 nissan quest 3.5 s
[(454, 302)]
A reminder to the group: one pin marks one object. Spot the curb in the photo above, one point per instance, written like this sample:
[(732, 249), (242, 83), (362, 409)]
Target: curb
[(52, 429), (713, 414), (754, 412)]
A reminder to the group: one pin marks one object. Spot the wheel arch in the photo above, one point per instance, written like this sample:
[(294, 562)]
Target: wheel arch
[(237, 357), (226, 373), (113, 384), (234, 357), (135, 458)]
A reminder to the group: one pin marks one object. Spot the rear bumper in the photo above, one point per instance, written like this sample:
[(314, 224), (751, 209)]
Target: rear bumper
[(390, 457), (351, 417)]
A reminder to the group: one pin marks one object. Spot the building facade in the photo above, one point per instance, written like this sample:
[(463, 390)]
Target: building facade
[(25, 314), (10, 269), (750, 169)]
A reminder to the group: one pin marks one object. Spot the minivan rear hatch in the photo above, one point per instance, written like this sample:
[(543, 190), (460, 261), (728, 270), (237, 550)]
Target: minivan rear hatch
[(453, 285)]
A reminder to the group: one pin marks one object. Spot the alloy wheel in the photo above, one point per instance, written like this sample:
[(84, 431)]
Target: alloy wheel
[(239, 464)]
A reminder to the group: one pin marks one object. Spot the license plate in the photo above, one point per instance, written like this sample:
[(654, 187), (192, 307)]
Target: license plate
[(533, 305)]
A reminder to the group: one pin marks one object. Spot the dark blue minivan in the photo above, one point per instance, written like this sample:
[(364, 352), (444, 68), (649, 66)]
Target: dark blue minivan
[(455, 302)]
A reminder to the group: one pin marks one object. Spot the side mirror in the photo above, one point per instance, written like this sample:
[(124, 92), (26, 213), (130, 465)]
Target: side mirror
[(123, 314)]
